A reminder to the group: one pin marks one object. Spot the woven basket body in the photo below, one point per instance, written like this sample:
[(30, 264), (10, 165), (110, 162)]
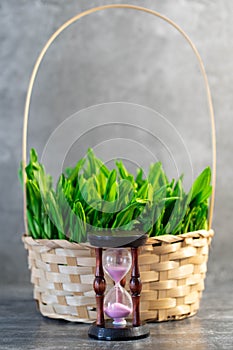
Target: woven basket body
[(173, 270)]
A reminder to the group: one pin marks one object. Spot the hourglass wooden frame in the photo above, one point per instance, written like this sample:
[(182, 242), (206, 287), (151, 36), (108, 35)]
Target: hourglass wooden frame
[(103, 330)]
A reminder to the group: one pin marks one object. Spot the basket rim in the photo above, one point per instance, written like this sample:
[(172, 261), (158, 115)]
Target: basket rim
[(62, 243)]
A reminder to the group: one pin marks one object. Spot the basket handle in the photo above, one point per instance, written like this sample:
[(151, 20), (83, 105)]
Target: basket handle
[(73, 20)]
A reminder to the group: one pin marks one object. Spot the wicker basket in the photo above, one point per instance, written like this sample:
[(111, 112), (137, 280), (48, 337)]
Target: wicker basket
[(173, 268)]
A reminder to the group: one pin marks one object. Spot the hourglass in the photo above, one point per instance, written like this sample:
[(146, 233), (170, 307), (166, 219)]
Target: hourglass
[(114, 257)]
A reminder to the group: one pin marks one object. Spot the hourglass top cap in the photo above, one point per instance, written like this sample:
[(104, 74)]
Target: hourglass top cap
[(117, 239)]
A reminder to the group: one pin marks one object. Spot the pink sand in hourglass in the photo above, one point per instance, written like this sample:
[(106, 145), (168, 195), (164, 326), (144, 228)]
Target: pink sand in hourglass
[(116, 272), (117, 310)]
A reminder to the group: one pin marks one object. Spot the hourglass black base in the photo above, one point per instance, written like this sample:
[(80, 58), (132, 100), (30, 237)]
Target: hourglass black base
[(111, 332)]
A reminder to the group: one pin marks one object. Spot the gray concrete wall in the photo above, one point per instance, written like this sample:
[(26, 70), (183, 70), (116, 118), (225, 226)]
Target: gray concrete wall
[(125, 56)]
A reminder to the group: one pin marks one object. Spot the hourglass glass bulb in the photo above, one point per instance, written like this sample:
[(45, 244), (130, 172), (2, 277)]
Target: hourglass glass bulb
[(117, 262), (117, 303)]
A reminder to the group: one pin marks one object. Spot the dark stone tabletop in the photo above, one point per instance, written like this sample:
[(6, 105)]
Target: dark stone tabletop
[(22, 326)]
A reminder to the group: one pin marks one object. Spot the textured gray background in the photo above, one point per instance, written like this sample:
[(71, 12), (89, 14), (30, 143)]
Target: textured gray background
[(106, 59)]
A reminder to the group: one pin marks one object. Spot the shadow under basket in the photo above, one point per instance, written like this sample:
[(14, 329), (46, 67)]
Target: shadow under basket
[(172, 269)]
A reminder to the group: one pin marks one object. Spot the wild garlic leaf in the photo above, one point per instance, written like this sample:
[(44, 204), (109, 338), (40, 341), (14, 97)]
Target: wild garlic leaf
[(111, 187), (139, 178), (73, 173), (126, 215), (201, 182), (157, 177)]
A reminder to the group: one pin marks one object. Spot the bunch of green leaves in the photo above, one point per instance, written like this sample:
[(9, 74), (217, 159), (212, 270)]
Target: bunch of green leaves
[(109, 197), (50, 215), (38, 187), (172, 211), (90, 196)]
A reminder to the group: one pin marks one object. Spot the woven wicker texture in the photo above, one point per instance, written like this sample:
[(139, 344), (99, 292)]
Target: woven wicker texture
[(172, 268)]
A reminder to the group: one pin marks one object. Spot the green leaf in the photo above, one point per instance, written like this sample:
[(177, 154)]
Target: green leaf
[(202, 196), (78, 223), (200, 184), (139, 178), (111, 187), (94, 166), (177, 215), (102, 181), (127, 214), (89, 191), (54, 213), (124, 174), (33, 156), (125, 194), (102, 168), (122, 170), (143, 191), (154, 175), (73, 173), (31, 226), (91, 159)]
